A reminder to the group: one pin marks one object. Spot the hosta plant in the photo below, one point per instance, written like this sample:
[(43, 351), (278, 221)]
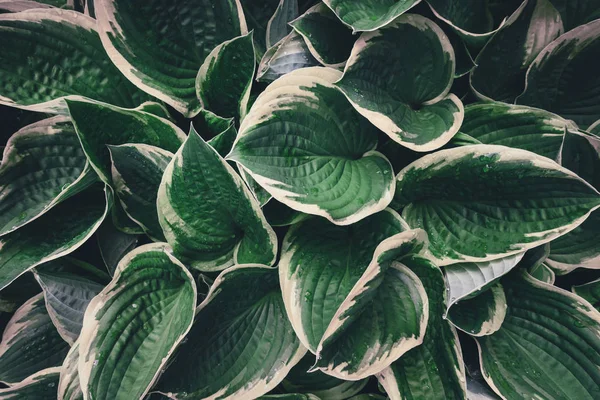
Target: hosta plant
[(300, 199)]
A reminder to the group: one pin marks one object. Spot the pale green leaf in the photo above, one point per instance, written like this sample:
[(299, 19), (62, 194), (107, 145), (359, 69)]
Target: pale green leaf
[(287, 55), (369, 15), (131, 328), (406, 97), (308, 149), (480, 315), (589, 291)]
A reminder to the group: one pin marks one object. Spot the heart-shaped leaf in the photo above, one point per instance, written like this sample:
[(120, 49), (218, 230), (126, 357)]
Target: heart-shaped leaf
[(406, 97), (369, 15), (227, 227), (42, 165), (321, 263), (66, 46), (131, 328), (308, 149), (30, 343), (137, 170), (484, 202), (562, 79), (159, 46), (241, 345)]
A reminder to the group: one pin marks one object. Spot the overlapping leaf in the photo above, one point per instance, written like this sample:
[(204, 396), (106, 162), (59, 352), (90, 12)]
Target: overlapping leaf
[(289, 54), (40, 386), (370, 14)]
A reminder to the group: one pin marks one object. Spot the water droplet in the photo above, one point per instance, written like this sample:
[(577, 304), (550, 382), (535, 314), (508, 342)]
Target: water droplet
[(51, 384), (134, 305), (95, 362)]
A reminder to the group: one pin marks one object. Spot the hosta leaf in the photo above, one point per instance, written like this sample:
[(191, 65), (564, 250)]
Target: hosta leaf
[(594, 128), (258, 14), (259, 193), (113, 245), (42, 165), (406, 97), (278, 27), (241, 345), (224, 80), (98, 125), (290, 396), (132, 327), (481, 315), (219, 131), (328, 40), (479, 391), (548, 346), (320, 264), (160, 45), (18, 292), (278, 214), (305, 146), (384, 315), (562, 79), (30, 343), (577, 12), (369, 15), (464, 60), (12, 6), (123, 222), (484, 202), (590, 292), (579, 248), (68, 384), (39, 386), (520, 127), (65, 48), (137, 170), (289, 54), (69, 285), (323, 386), (465, 280), (208, 215), (543, 273), (503, 62), (57, 233), (434, 370)]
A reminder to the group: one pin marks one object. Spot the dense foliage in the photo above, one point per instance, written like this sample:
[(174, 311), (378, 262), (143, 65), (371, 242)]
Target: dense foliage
[(300, 199)]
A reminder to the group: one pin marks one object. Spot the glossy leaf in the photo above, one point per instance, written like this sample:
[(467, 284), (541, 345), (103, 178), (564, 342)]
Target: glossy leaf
[(258, 14), (68, 384), (369, 15), (578, 12), (159, 46), (226, 227), (42, 165), (278, 27), (406, 97), (131, 328), (589, 291), (241, 345), (30, 343), (290, 144), (65, 47), (113, 245), (287, 55), (320, 264), (69, 285), (39, 386), (98, 125), (480, 315), (507, 201), (137, 170), (12, 6)]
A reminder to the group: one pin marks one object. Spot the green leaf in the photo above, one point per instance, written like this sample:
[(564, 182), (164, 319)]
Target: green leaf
[(308, 149), (543, 273), (287, 55), (328, 40), (323, 386), (137, 170), (39, 386), (227, 227), (369, 15), (13, 6), (320, 264), (503, 62), (18, 292), (290, 396), (65, 47), (98, 125), (257, 191), (241, 345), (42, 165), (221, 131), (131, 328), (471, 19), (589, 291), (278, 27), (484, 202), (562, 79), (159, 46), (479, 391), (113, 245), (69, 285), (435, 369), (578, 12), (55, 234), (278, 214), (258, 14), (406, 97), (30, 343), (384, 315), (515, 126), (123, 222), (68, 384), (224, 80), (594, 128), (548, 346), (481, 315)]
